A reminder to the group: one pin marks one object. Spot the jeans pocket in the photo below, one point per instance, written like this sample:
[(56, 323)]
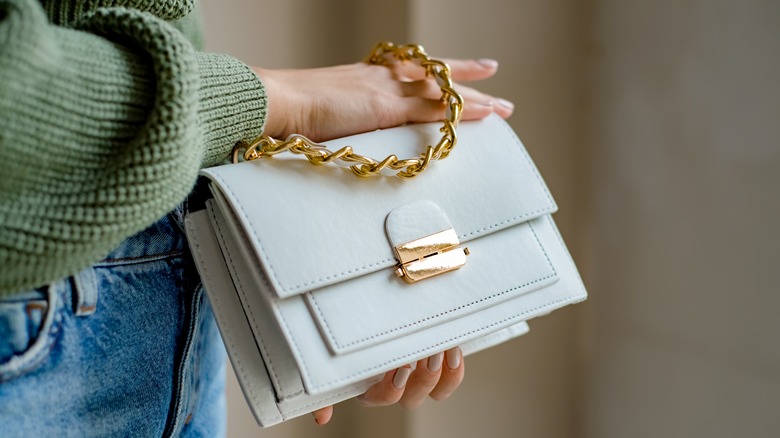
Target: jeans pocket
[(28, 326)]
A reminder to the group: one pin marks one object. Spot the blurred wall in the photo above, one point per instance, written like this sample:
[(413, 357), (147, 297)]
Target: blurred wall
[(683, 243), (655, 125)]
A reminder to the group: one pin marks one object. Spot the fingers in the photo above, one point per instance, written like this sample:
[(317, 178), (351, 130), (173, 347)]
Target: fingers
[(472, 70), (460, 69), (437, 376), (323, 416), (451, 375), (389, 390), (476, 104), (421, 88), (422, 381), (421, 110)]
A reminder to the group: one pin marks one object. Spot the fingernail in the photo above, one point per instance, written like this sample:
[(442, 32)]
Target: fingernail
[(453, 358), (435, 361), (488, 63), (505, 103), (401, 376)]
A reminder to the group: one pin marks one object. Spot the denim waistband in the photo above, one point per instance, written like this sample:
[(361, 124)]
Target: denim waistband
[(163, 238)]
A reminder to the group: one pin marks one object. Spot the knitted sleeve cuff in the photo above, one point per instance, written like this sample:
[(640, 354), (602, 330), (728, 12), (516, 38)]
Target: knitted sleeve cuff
[(231, 107)]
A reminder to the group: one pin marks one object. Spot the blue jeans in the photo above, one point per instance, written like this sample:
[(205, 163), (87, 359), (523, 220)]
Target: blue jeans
[(128, 347)]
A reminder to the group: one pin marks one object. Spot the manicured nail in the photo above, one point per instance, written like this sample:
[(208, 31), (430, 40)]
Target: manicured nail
[(488, 63), (505, 103), (453, 358), (401, 376), (435, 361)]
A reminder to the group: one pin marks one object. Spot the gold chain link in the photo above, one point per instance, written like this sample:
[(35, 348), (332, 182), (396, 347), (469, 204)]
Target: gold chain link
[(382, 54)]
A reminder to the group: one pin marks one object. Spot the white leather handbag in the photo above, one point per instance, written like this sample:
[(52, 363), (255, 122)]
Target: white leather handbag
[(321, 283)]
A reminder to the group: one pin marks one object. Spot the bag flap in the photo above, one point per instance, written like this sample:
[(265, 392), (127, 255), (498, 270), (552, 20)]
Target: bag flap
[(312, 226)]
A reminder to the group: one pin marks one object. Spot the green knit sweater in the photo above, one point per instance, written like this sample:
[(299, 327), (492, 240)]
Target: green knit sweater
[(107, 112)]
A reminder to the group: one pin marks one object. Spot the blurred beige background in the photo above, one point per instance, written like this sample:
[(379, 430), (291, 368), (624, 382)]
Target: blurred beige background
[(657, 128)]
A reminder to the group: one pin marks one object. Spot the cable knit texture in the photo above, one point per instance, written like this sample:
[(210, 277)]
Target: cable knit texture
[(105, 119), (67, 12)]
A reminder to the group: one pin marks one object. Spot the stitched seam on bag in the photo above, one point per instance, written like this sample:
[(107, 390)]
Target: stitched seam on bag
[(294, 394), (435, 346), (304, 368), (227, 333), (300, 391), (547, 256), (429, 318), (504, 222), (254, 232), (380, 263), (267, 260), (248, 306), (333, 339), (264, 279)]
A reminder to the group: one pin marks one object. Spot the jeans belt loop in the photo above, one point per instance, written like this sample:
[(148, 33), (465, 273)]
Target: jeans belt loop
[(85, 292)]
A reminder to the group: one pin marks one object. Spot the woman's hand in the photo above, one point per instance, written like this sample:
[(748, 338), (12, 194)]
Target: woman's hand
[(437, 376), (332, 102)]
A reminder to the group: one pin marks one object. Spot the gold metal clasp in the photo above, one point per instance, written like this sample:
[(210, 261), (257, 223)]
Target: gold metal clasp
[(430, 256)]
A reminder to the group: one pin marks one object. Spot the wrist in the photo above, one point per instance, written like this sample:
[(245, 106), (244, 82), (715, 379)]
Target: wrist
[(277, 115)]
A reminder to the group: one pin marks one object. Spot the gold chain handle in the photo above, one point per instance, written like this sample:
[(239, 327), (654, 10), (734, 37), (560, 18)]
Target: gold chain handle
[(382, 54)]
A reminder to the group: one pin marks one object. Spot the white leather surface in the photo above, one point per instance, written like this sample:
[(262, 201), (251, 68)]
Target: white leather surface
[(412, 221), (321, 371), (385, 307), (279, 362), (495, 338), (245, 353), (236, 334), (322, 207), (342, 332)]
